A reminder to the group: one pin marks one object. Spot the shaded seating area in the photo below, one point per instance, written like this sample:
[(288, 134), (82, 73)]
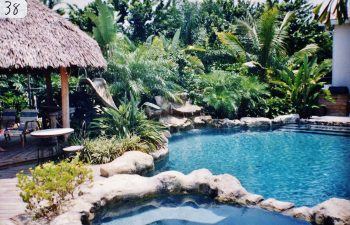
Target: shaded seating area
[(29, 122), (42, 44)]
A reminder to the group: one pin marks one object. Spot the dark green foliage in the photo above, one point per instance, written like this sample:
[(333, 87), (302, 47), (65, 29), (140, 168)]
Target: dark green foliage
[(140, 14), (233, 96), (144, 71), (303, 87), (167, 19), (105, 29), (303, 30), (128, 120), (9, 100), (80, 16)]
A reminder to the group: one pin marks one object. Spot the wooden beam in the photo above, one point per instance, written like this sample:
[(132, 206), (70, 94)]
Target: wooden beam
[(65, 97)]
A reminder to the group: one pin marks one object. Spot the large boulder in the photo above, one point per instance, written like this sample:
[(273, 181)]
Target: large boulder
[(225, 123), (160, 153), (286, 119), (256, 121), (176, 123), (272, 204), (185, 110), (334, 211), (304, 213), (199, 181), (229, 189), (169, 181), (133, 162), (200, 121), (164, 104), (67, 219)]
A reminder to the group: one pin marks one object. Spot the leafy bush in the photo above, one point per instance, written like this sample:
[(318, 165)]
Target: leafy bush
[(50, 185), (144, 71), (100, 150), (278, 106), (231, 95), (11, 100), (303, 87), (132, 143), (103, 150), (127, 120)]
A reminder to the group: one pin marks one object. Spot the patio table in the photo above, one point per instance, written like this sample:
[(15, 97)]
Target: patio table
[(51, 133)]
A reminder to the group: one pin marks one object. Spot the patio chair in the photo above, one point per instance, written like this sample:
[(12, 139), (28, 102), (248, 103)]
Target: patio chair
[(8, 118), (28, 122)]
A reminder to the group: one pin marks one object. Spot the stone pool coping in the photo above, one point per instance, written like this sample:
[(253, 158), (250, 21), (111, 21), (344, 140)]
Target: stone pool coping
[(176, 124), (224, 188)]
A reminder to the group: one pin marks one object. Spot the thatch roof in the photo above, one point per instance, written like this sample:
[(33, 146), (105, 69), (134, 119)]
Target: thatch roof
[(44, 40)]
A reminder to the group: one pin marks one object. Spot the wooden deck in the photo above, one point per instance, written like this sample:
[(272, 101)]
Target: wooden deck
[(13, 153), (10, 202), (14, 158)]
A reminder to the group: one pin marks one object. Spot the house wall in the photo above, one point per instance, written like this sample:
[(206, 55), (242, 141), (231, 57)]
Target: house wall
[(341, 56)]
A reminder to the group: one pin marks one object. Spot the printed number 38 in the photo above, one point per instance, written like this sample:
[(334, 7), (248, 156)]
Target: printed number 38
[(15, 8)]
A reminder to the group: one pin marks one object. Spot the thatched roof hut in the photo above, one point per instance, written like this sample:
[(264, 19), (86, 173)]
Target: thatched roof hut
[(44, 39)]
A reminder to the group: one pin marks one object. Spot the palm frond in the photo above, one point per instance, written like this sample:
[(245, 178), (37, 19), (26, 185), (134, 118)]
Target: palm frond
[(233, 44), (308, 50)]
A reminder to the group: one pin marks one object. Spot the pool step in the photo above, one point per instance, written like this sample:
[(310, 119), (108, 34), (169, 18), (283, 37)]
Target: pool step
[(317, 129)]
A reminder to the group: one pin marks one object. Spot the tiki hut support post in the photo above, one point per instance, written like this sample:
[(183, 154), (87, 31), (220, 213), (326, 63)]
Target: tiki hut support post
[(49, 96), (65, 97), (29, 89)]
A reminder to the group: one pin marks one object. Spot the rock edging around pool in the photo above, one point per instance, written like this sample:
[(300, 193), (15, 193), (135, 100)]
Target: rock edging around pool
[(224, 188), (175, 124)]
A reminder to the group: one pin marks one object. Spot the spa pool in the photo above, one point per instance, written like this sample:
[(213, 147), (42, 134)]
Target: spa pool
[(303, 166), (187, 210)]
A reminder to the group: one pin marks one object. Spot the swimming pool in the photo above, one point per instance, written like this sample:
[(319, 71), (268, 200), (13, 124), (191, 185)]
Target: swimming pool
[(290, 165), (189, 210)]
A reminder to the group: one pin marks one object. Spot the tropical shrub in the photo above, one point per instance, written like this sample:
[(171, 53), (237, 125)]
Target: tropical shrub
[(303, 87), (13, 101), (276, 106), (50, 185), (127, 120), (100, 150), (103, 149), (231, 95), (105, 28), (144, 71)]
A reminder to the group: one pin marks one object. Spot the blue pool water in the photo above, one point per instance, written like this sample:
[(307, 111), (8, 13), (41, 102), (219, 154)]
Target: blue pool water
[(303, 168), (188, 210)]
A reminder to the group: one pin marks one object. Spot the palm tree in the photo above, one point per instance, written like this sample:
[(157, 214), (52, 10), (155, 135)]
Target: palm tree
[(144, 71), (264, 39), (105, 28)]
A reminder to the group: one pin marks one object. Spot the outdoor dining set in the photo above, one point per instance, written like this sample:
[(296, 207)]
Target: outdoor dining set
[(30, 124)]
